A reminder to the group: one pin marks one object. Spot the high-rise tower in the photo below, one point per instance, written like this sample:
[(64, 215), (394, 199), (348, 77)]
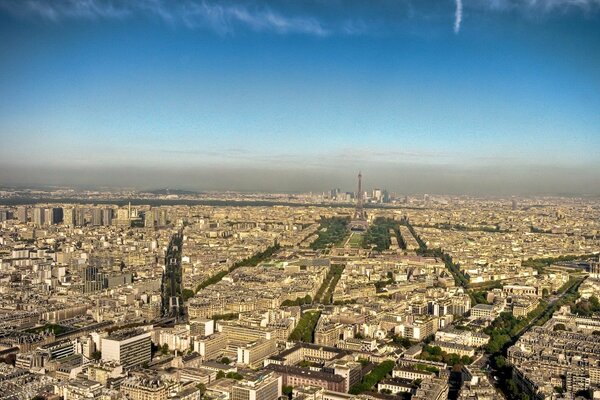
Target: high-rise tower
[(359, 213), (359, 220)]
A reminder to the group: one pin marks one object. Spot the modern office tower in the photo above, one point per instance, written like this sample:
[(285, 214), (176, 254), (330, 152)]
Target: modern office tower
[(123, 217), (265, 386), (155, 217), (161, 218), (514, 205), (385, 196), (107, 216), (129, 348), (38, 216), (48, 216), (93, 280), (5, 215), (79, 216), (96, 216), (426, 198), (149, 219), (56, 215), (69, 217), (376, 195), (22, 214)]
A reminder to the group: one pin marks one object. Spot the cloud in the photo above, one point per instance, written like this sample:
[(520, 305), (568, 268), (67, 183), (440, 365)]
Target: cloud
[(537, 5), (307, 17), (222, 17), (458, 16)]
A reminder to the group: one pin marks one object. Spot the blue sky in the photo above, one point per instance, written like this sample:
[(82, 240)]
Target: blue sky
[(321, 87)]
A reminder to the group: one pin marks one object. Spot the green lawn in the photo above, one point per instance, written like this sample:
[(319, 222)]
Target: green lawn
[(356, 240)]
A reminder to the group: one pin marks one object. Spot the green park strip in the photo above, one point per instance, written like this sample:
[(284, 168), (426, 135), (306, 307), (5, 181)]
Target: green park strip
[(334, 231), (304, 331), (369, 381), (248, 262)]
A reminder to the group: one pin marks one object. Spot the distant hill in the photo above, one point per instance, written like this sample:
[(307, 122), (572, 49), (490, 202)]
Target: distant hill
[(171, 191)]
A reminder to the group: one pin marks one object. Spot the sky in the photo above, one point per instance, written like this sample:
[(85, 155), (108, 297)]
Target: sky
[(423, 96)]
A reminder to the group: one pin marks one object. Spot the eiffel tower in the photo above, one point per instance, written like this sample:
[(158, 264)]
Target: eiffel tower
[(359, 220)]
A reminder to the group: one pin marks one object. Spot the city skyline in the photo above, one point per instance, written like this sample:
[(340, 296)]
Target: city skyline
[(424, 97)]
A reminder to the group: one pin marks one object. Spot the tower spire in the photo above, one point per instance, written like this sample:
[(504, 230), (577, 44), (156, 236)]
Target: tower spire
[(359, 213)]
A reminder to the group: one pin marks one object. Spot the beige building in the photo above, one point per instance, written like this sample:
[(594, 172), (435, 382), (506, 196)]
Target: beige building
[(137, 388), (263, 387), (254, 354)]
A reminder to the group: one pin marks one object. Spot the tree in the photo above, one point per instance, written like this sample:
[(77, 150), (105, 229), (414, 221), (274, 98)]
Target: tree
[(187, 294), (96, 355), (201, 387), (559, 327), (164, 349), (234, 375), (220, 375), (225, 360), (287, 391)]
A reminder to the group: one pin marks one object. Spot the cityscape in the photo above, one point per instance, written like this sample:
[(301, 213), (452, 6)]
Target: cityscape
[(274, 200)]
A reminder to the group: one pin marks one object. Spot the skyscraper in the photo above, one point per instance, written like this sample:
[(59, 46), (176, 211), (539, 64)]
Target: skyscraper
[(93, 280), (69, 217), (107, 216), (38, 216), (79, 216), (22, 214), (96, 216)]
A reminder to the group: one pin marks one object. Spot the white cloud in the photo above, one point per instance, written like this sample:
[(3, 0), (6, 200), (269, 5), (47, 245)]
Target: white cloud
[(458, 16), (222, 17)]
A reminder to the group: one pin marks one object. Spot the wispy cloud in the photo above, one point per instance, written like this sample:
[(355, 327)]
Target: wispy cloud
[(222, 17), (306, 17), (458, 16), (537, 5)]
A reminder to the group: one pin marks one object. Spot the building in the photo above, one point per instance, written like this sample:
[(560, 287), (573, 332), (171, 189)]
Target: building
[(262, 387), (107, 216), (254, 354), (38, 216), (69, 217), (211, 347), (296, 376), (96, 216), (93, 280), (81, 389), (142, 388), (483, 311), (22, 214), (129, 348)]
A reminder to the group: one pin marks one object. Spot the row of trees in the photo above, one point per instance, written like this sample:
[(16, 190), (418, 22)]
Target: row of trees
[(304, 331), (435, 353), (459, 278), (372, 378), (248, 262), (300, 301), (506, 329), (325, 293), (541, 263)]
